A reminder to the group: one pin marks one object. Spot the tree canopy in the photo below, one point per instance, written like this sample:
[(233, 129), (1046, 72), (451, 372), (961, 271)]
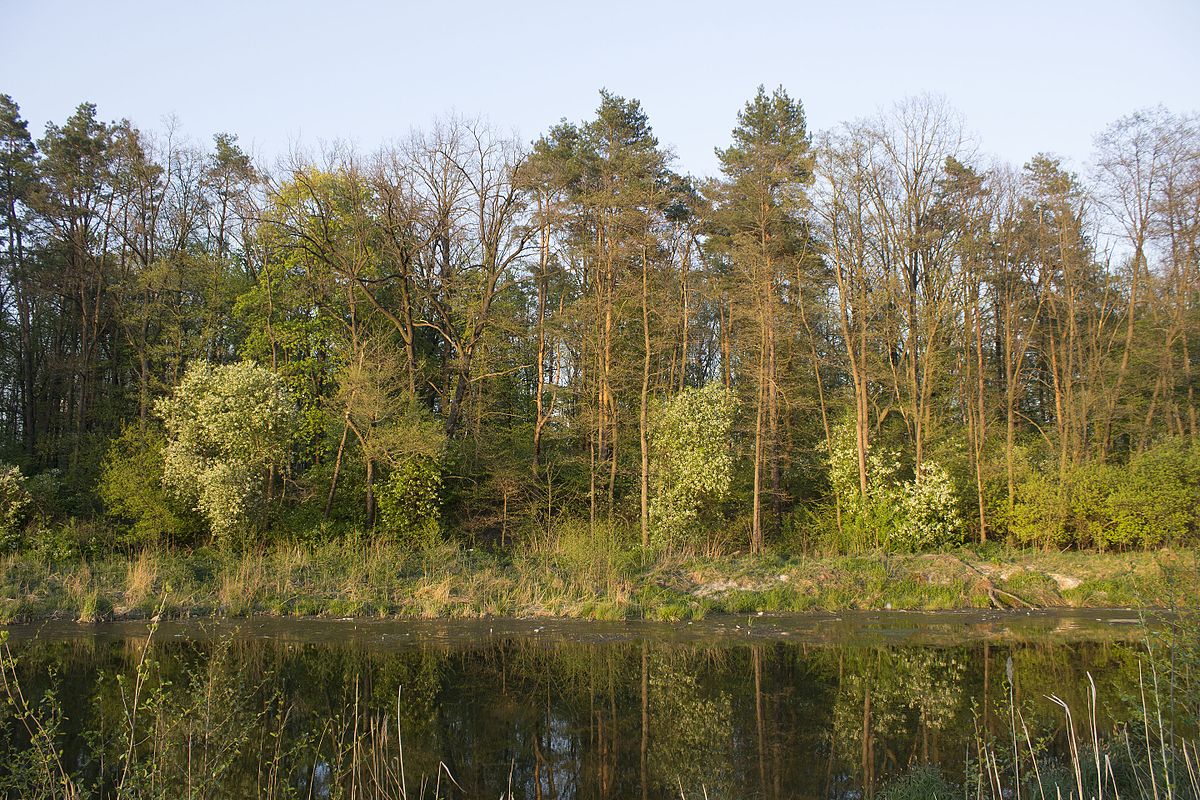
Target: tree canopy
[(862, 337)]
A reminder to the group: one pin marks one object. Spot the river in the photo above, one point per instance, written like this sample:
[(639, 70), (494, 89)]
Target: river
[(806, 706)]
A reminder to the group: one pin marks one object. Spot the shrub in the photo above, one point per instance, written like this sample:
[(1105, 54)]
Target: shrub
[(931, 518), (867, 521), (1149, 500), (227, 427), (692, 459), (917, 514), (1040, 511), (1155, 502), (131, 487), (1089, 510), (410, 502), (71, 540), (15, 501), (46, 490), (923, 782)]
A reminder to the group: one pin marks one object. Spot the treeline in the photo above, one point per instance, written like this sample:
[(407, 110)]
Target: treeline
[(868, 337)]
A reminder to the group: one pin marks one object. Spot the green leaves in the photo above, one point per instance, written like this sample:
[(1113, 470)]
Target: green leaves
[(692, 460), (411, 503), (131, 487), (14, 504), (920, 513), (1150, 500), (227, 427)]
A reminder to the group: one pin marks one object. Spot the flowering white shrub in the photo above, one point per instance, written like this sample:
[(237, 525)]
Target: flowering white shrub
[(691, 459), (227, 427), (931, 518), (882, 468), (842, 456), (916, 514)]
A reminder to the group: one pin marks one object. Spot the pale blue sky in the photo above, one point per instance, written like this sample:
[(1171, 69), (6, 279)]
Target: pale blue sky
[(1027, 76)]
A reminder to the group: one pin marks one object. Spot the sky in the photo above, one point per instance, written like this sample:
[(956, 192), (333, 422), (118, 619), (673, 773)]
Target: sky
[(1027, 77)]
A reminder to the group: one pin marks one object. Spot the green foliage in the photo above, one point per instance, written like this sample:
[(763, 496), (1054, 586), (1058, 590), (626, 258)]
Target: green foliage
[(865, 520), (72, 539), (131, 487), (46, 490), (467, 335), (410, 502), (931, 518), (15, 501), (691, 459), (923, 782), (1151, 500), (282, 331), (1159, 501), (915, 514), (1088, 492), (1039, 514), (228, 427)]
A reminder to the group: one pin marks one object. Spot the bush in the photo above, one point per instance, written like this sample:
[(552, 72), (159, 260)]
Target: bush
[(931, 518), (917, 514), (923, 782), (1040, 512), (72, 540), (131, 488), (410, 502), (228, 426), (867, 521), (692, 459), (1156, 501), (15, 501), (1148, 501), (46, 490), (1088, 503)]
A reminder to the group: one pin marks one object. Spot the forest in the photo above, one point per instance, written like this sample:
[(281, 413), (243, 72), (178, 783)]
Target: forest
[(870, 338)]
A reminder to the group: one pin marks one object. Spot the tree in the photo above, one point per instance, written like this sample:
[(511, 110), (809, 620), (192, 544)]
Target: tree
[(75, 200), (1133, 157), (14, 505), (476, 332), (617, 183), (913, 147), (17, 183), (229, 428), (758, 226)]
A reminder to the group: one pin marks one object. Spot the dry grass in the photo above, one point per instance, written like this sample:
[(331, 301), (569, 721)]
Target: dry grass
[(240, 587), (582, 574), (78, 585), (140, 580)]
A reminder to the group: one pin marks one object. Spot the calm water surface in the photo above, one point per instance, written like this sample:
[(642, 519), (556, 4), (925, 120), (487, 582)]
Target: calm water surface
[(771, 707)]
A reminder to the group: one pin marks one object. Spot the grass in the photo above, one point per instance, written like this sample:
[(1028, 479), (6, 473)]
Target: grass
[(577, 575), (1141, 758)]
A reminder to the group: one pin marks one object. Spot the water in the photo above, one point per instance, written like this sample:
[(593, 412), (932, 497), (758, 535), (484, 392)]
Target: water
[(773, 707)]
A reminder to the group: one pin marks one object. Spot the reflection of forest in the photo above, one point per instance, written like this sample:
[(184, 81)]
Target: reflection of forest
[(576, 720)]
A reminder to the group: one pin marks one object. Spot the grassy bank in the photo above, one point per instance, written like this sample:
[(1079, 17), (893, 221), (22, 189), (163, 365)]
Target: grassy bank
[(578, 578)]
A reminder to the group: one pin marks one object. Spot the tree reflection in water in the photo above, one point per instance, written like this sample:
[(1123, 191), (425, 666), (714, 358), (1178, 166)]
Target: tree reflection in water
[(234, 715)]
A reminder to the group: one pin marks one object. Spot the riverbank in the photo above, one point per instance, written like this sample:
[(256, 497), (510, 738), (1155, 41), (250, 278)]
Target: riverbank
[(338, 580)]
